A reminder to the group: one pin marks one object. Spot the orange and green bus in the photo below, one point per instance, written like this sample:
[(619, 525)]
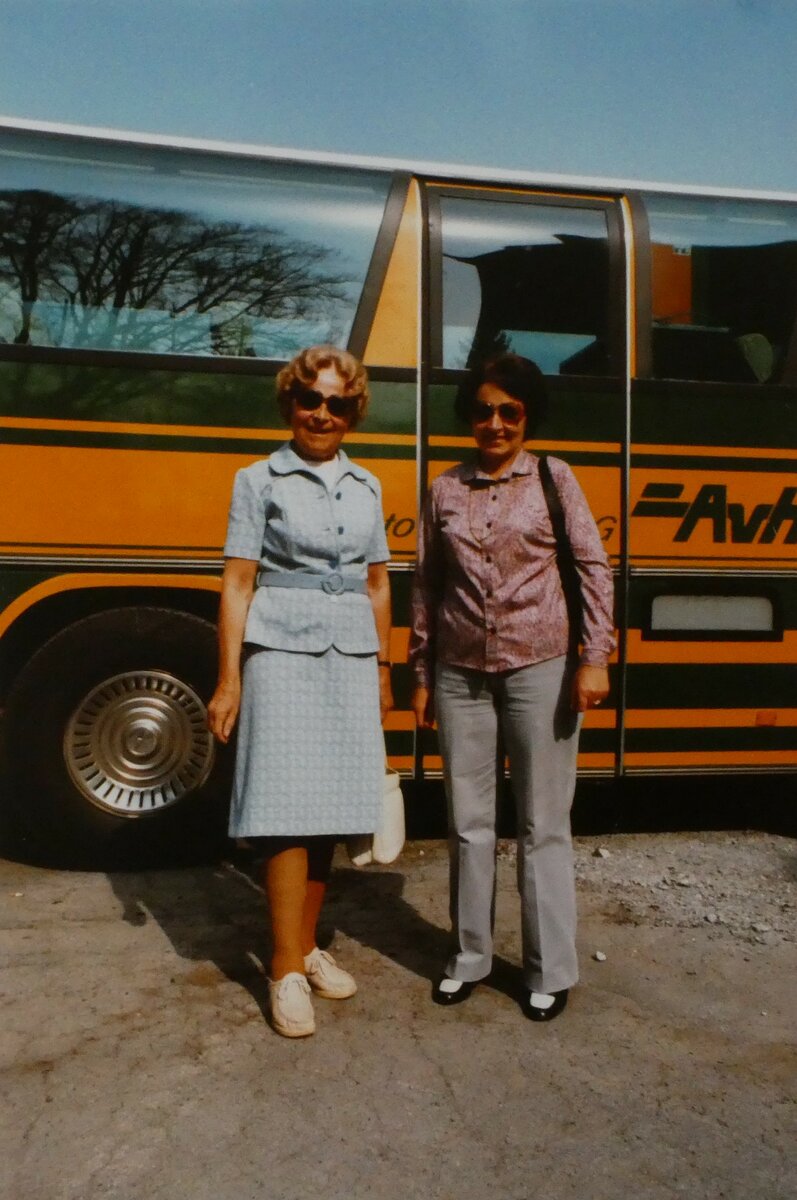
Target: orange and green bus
[(151, 288)]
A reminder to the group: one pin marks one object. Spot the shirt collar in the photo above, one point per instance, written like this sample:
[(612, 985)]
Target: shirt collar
[(285, 461), (524, 464)]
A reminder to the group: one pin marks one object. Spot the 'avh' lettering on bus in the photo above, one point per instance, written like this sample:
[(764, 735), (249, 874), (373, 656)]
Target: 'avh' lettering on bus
[(762, 523)]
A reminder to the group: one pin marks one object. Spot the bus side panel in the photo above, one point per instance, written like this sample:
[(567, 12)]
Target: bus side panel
[(130, 482), (712, 642)]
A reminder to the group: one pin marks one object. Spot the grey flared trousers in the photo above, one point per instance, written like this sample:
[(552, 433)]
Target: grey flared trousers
[(531, 709)]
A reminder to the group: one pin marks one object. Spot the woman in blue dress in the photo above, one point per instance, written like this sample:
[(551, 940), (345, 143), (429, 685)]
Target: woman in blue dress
[(304, 632)]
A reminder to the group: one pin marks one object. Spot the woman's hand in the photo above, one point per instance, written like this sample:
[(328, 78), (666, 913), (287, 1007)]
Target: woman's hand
[(385, 693), (223, 710), (422, 704), (237, 589), (378, 585), (590, 686)]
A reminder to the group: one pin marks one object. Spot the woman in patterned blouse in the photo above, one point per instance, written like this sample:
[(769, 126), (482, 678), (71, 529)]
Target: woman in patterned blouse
[(490, 652)]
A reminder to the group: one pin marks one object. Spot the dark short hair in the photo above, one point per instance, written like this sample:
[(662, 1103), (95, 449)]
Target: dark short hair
[(519, 377)]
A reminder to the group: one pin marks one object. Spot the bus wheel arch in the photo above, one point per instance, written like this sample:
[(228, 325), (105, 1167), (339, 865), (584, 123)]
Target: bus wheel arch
[(52, 613), (106, 739)]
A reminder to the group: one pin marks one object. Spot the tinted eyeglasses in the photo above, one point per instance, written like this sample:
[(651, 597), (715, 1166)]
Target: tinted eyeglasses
[(510, 414), (337, 406)]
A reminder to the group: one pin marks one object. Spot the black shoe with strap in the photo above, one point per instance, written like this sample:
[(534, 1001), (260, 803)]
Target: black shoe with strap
[(445, 997), (536, 1013)]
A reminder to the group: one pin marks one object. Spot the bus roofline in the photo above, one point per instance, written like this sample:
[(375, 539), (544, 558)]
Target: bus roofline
[(420, 167)]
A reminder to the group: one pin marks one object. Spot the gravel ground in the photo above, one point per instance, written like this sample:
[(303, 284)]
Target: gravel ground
[(135, 1061), (744, 885)]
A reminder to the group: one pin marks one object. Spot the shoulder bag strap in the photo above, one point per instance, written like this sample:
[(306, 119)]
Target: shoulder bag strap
[(565, 560)]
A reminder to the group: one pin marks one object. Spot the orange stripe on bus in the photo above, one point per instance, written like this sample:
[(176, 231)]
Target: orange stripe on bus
[(662, 718), (125, 498), (709, 718), (696, 652), (602, 762), (659, 718), (692, 451), (399, 643), (71, 583), (718, 562), (600, 718), (706, 758), (400, 719), (401, 762)]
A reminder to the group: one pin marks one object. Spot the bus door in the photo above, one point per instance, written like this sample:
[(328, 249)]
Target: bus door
[(541, 274), (386, 336), (712, 620)]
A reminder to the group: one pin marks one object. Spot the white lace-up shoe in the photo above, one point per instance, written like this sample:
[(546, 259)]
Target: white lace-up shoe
[(291, 1007), (326, 978)]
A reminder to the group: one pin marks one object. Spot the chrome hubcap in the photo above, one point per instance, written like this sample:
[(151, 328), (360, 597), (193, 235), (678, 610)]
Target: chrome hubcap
[(138, 742)]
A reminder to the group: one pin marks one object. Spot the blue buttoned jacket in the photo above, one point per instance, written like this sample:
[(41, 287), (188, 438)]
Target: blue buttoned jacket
[(283, 516)]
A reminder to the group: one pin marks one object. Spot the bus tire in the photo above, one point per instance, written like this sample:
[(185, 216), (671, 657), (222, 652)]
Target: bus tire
[(110, 759)]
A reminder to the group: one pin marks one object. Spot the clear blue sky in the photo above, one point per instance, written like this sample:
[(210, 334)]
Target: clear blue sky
[(697, 91)]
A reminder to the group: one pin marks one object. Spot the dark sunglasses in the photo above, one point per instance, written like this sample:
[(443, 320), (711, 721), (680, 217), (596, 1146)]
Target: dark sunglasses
[(337, 406), (510, 414)]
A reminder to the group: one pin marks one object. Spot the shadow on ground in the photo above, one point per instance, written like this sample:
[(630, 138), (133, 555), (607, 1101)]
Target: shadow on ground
[(643, 805), (218, 920)]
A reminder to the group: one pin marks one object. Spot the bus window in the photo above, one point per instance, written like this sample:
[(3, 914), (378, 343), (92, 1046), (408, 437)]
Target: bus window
[(151, 250), (524, 276), (723, 288)]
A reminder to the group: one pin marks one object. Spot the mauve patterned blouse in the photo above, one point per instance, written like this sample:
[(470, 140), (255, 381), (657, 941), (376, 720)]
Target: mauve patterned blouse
[(487, 593)]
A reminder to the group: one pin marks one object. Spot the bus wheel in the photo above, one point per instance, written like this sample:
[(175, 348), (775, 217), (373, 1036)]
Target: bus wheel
[(109, 749)]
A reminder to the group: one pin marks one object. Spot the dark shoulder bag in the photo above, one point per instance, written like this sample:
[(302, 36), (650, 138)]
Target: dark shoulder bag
[(565, 560)]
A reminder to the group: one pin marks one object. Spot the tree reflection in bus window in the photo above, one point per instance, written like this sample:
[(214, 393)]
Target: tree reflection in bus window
[(168, 252), (531, 278), (724, 288)]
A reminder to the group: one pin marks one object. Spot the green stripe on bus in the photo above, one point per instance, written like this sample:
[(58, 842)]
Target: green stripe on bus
[(712, 685), (743, 738), (125, 395), (399, 741), (685, 414)]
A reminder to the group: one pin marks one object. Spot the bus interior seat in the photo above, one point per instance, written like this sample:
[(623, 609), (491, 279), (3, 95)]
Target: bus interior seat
[(759, 354), (590, 360), (704, 354)]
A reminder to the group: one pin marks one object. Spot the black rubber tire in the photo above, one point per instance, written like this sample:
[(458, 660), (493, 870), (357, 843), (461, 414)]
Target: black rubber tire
[(50, 819)]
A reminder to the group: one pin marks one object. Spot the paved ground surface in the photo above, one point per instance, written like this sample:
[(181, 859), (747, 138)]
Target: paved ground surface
[(136, 1063)]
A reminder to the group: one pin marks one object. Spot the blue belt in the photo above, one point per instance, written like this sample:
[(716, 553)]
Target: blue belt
[(334, 583)]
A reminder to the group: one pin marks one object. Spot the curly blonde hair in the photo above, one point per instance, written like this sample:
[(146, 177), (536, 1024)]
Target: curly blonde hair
[(302, 372)]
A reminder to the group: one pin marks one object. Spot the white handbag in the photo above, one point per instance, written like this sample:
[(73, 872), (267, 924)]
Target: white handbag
[(386, 844)]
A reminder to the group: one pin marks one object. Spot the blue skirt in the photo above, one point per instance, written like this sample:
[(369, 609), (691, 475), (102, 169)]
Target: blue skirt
[(311, 756)]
